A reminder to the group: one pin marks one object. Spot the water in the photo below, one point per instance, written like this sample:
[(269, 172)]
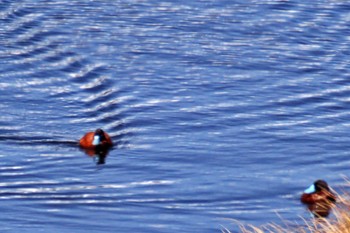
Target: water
[(220, 111)]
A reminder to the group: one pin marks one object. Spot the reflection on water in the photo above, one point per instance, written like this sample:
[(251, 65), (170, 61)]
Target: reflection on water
[(99, 154)]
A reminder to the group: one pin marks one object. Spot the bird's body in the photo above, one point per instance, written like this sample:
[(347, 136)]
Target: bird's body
[(318, 192), (94, 140)]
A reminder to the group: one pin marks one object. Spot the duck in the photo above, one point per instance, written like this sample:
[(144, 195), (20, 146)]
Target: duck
[(96, 140), (318, 192)]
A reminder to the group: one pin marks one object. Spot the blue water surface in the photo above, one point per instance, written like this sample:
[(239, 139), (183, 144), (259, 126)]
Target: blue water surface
[(220, 111)]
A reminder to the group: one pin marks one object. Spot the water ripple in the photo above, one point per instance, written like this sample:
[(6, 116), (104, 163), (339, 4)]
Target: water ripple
[(203, 100), (63, 193)]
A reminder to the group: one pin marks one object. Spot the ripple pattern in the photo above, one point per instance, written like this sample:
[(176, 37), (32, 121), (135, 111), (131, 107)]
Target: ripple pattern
[(218, 110)]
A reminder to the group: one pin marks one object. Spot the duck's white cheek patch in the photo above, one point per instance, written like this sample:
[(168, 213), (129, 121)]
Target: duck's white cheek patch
[(96, 140), (310, 189)]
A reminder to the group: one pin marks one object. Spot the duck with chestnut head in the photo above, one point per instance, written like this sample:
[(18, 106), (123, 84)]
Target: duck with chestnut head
[(97, 139), (96, 144), (318, 191), (319, 198)]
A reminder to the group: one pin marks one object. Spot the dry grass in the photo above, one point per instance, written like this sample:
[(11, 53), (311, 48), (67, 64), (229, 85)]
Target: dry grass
[(338, 223)]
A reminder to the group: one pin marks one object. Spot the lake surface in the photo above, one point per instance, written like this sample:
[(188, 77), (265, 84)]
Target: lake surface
[(219, 111)]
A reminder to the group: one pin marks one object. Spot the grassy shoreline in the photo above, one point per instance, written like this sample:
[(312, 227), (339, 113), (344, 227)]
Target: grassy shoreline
[(338, 223)]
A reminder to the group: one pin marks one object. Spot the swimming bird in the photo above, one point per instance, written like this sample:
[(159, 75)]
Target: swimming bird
[(319, 191), (96, 140)]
